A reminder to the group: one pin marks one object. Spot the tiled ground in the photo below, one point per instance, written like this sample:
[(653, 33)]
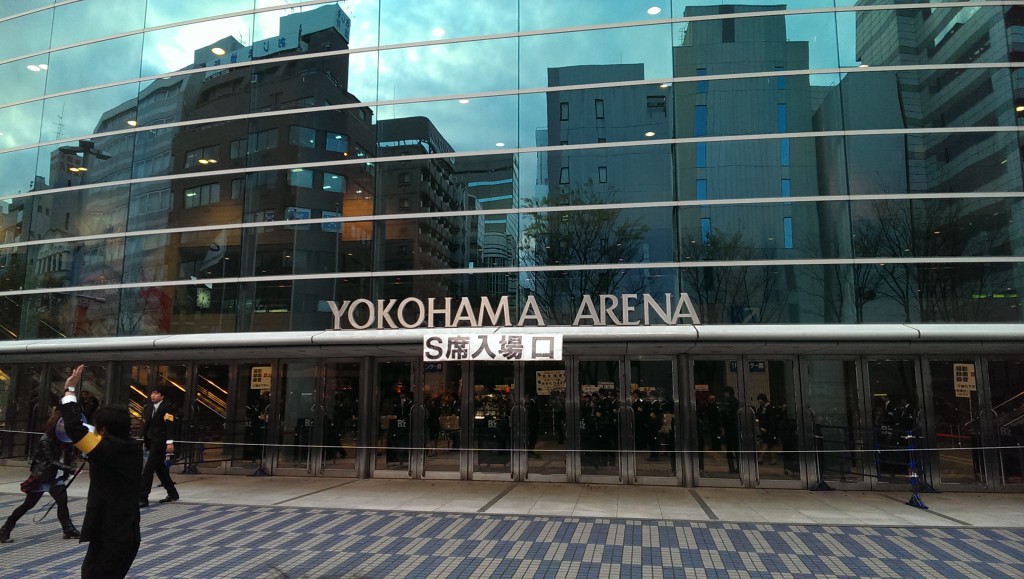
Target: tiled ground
[(195, 540)]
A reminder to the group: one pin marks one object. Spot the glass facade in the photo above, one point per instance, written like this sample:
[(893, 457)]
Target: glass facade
[(235, 167), (243, 166)]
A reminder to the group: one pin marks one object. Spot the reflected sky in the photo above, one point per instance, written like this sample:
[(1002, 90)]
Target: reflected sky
[(416, 72)]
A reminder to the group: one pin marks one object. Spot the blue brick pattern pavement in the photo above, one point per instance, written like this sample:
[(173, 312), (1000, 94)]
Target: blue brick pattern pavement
[(196, 540)]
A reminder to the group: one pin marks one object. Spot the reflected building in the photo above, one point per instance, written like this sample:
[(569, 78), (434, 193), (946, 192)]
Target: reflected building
[(605, 176), (770, 168), (492, 184), (943, 162), (418, 186)]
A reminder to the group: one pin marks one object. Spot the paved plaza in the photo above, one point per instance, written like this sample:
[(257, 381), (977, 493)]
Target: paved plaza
[(280, 527)]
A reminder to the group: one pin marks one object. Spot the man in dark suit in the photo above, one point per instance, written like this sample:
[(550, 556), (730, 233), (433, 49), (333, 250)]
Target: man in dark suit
[(158, 435), (111, 524)]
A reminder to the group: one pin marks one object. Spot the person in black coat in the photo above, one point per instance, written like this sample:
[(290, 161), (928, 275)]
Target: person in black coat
[(158, 435), (51, 458), (111, 525)]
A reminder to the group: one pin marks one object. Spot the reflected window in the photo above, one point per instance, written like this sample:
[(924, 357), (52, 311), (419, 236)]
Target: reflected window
[(785, 191), (787, 232), (202, 195), (657, 102), (300, 178), (563, 176), (700, 120), (784, 152), (702, 85), (702, 154), (702, 189), (599, 108), (337, 142), (705, 230), (334, 183), (781, 114), (602, 174), (262, 180), (728, 26), (780, 81), (563, 114), (150, 202), (237, 188), (202, 156), (263, 140), (238, 149), (302, 136)]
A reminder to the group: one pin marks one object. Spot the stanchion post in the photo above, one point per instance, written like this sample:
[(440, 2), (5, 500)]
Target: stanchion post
[(260, 471), (915, 498), (819, 442)]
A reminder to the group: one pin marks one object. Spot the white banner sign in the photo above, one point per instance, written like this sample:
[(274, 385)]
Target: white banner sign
[(549, 381), (492, 347), (260, 378)]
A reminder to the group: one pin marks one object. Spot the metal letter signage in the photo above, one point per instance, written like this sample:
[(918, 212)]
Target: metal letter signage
[(602, 310), (492, 347)]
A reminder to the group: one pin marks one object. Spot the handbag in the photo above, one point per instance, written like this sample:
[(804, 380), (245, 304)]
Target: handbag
[(30, 485)]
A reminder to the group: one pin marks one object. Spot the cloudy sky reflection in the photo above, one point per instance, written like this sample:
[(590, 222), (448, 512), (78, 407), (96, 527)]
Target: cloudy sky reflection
[(414, 72)]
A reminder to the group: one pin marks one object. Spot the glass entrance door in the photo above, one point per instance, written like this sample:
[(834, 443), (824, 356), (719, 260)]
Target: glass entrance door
[(956, 419), (253, 417), (837, 423), (341, 419), (652, 397), (1006, 383), (600, 413), (545, 436), (897, 425), (398, 427), (442, 400), (299, 439), (209, 418), (748, 422), (493, 386)]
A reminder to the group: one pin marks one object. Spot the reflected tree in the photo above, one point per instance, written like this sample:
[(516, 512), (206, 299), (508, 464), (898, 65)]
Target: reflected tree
[(600, 236), (730, 294), (930, 292)]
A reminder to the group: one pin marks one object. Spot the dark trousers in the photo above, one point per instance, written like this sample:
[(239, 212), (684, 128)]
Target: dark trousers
[(108, 559), (155, 464), (59, 494)]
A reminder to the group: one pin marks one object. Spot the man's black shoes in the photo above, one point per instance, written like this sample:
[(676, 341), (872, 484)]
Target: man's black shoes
[(168, 499)]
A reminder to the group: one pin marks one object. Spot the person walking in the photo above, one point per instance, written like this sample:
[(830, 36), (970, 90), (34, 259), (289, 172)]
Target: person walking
[(111, 524), (158, 436), (52, 457)]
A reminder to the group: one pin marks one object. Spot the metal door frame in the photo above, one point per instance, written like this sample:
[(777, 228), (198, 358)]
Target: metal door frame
[(982, 413), (749, 474), (813, 476), (417, 415), (314, 462), (923, 400)]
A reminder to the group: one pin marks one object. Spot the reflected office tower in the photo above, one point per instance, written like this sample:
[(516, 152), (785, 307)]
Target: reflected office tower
[(296, 194), (959, 162), (864, 164), (604, 176), (491, 184), (417, 186), (773, 168)]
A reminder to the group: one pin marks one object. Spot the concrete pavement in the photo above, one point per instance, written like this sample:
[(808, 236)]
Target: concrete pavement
[(324, 527)]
